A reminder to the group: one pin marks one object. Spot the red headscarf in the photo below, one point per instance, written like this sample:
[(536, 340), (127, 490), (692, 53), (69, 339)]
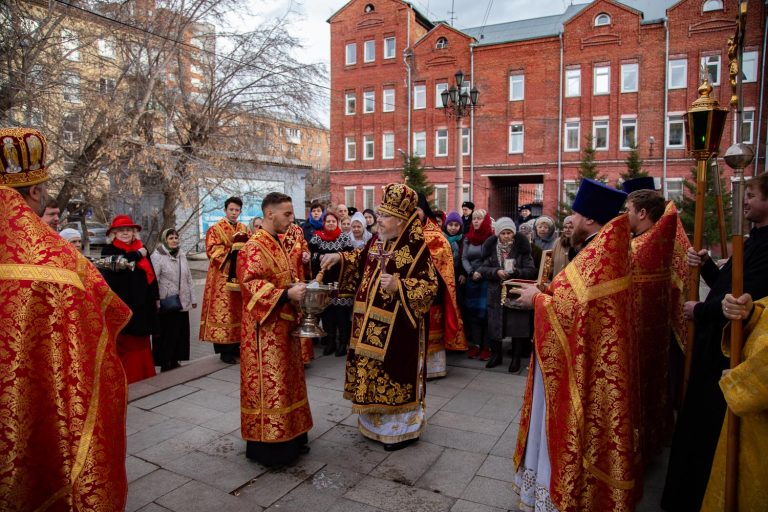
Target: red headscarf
[(143, 263), (478, 236), (329, 236)]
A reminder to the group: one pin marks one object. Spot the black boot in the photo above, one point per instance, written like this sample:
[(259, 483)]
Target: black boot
[(496, 356), (517, 347)]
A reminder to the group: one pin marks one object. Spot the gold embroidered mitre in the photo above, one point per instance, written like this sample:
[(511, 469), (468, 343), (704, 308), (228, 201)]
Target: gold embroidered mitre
[(398, 200), (22, 157)]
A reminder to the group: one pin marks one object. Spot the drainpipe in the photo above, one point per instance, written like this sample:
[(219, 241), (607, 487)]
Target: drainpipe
[(407, 60), (666, 106), (560, 128), (760, 108), (471, 129)]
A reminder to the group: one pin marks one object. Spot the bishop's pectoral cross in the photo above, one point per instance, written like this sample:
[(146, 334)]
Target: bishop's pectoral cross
[(380, 255)]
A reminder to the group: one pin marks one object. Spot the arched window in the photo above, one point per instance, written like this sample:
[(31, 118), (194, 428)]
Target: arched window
[(441, 43), (713, 5), (602, 19), (369, 8)]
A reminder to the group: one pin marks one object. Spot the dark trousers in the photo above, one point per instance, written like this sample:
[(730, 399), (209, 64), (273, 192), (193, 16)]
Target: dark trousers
[(337, 324)]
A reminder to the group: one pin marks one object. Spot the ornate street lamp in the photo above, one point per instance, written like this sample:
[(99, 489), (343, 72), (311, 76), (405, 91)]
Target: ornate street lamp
[(458, 103), (704, 123)]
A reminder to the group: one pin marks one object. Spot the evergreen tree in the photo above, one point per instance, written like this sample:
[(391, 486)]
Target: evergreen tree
[(587, 169), (415, 176), (634, 166), (687, 207)]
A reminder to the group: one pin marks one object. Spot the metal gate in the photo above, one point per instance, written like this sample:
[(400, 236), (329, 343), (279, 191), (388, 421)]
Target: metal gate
[(503, 200)]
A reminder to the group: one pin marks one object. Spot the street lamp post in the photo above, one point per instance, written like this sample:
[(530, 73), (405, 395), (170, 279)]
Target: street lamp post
[(457, 103)]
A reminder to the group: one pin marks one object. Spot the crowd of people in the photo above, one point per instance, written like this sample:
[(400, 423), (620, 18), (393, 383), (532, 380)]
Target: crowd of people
[(600, 304)]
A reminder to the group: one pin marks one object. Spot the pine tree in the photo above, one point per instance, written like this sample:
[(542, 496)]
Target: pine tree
[(687, 207), (587, 169), (634, 165), (415, 176)]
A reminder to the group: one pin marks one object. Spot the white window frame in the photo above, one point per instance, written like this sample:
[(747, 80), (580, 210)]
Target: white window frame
[(676, 120), (711, 60), (350, 196), (441, 197), (388, 100), (369, 148), (516, 87), (350, 54), (441, 142), (369, 197), (369, 51), (626, 123), (350, 149), (390, 47), (71, 136), (678, 65), (516, 138), (602, 20), (627, 70), (439, 88), (107, 85), (420, 144), (71, 84), (600, 74), (350, 103), (466, 142), (465, 192), (748, 119), (678, 184), (569, 128), (387, 146), (749, 67), (573, 79), (441, 43), (369, 102), (419, 97), (107, 48), (600, 124), (70, 43), (712, 5), (570, 188)]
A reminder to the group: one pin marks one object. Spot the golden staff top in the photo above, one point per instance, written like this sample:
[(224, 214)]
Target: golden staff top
[(706, 121)]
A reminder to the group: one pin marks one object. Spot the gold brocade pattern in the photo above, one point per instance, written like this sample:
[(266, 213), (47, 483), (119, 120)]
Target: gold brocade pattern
[(273, 392), (680, 273), (295, 245), (582, 340), (62, 388), (220, 315)]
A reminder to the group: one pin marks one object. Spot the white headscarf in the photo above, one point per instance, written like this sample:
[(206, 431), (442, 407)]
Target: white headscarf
[(357, 244)]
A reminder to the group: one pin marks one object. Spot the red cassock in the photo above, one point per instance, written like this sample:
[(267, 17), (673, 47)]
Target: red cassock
[(220, 316), (295, 246), (582, 342), (273, 394), (63, 391)]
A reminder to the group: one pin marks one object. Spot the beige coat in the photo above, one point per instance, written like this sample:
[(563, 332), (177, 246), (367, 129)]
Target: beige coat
[(167, 270)]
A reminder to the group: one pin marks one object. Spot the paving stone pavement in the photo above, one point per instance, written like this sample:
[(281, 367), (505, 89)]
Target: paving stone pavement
[(185, 453)]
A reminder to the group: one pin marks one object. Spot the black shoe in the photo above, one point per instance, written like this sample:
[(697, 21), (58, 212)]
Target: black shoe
[(514, 366), (494, 361), (228, 359), (329, 349), (393, 447)]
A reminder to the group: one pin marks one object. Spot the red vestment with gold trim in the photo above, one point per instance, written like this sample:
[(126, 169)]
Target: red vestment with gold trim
[(652, 255), (680, 273), (296, 245), (582, 344), (273, 393), (446, 328), (220, 316), (63, 390)]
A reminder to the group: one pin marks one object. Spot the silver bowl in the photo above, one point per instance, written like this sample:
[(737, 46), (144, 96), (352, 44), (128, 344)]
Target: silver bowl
[(316, 298)]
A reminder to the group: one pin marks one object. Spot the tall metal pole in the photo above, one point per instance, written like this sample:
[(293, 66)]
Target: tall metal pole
[(459, 179)]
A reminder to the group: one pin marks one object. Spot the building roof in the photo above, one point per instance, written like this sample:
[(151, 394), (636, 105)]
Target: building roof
[(547, 26)]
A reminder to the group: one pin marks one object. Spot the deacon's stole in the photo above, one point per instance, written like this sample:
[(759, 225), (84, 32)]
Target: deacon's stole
[(680, 273), (295, 245), (582, 345), (273, 393), (446, 328), (220, 316), (652, 256), (385, 364), (62, 388)]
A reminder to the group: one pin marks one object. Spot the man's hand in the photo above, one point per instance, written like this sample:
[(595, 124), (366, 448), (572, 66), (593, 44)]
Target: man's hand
[(297, 291), (462, 279), (305, 257), (527, 294), (329, 260), (502, 274), (737, 309), (389, 282), (142, 251), (696, 259), (688, 309), (476, 276)]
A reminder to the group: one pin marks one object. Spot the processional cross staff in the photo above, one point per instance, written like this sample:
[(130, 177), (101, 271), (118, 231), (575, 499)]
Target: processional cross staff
[(381, 255)]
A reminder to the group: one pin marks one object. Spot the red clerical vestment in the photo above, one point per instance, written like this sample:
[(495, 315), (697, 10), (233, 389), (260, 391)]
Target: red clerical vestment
[(273, 393), (295, 246), (220, 316), (652, 256), (62, 388), (582, 345), (446, 329), (680, 272)]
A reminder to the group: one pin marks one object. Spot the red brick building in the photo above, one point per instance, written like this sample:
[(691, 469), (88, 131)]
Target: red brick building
[(623, 72)]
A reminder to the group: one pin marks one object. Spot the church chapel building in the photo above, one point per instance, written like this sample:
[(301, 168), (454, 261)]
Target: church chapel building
[(623, 72)]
